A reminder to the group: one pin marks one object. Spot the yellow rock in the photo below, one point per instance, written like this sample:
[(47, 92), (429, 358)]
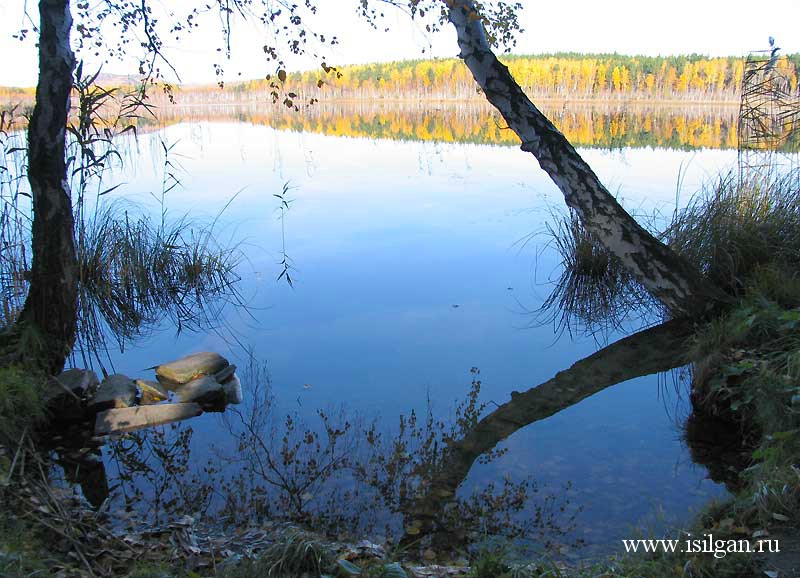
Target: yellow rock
[(151, 391), (187, 368)]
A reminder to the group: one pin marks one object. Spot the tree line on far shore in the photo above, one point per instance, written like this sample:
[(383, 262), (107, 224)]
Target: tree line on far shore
[(559, 76), (568, 75)]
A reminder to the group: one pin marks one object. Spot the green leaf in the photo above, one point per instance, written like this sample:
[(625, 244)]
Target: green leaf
[(393, 570), (348, 567), (792, 315), (738, 369)]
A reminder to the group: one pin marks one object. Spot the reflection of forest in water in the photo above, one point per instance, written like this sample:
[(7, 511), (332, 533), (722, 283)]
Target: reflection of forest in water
[(608, 125)]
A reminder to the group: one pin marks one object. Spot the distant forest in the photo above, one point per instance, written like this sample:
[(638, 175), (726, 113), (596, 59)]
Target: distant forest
[(558, 76)]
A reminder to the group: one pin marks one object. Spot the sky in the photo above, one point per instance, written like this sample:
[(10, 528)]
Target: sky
[(710, 27)]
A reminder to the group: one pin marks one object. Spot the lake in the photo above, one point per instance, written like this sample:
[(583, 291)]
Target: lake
[(416, 257)]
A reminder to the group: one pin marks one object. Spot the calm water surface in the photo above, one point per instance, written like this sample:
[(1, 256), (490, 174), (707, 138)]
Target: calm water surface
[(413, 262)]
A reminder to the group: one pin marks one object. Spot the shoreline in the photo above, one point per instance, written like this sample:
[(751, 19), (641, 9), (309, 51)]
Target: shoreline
[(477, 102)]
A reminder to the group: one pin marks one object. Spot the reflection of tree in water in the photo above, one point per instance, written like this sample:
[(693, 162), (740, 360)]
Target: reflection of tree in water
[(649, 351), (403, 469), (155, 475), (340, 475), (345, 477), (720, 445)]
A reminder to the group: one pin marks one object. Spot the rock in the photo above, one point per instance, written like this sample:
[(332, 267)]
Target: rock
[(66, 394), (78, 381), (426, 572), (187, 368), (204, 390), (225, 374), (366, 549), (437, 571), (233, 390), (116, 391), (150, 392), (127, 419)]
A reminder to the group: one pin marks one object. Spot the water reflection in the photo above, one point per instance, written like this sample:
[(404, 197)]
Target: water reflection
[(339, 474), (607, 126), (387, 236), (650, 351), (345, 476)]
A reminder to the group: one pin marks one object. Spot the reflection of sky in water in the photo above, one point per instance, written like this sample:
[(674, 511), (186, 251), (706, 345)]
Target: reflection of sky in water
[(387, 238)]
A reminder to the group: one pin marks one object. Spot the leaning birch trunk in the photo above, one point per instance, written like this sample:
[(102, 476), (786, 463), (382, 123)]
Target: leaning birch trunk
[(669, 278), (49, 316)]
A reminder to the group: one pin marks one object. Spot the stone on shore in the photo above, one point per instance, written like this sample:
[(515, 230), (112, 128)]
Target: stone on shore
[(116, 391), (66, 394), (233, 390), (151, 392), (192, 366), (204, 390), (120, 420), (225, 374), (78, 381)]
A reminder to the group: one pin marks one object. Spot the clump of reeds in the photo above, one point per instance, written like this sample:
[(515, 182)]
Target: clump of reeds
[(14, 217), (135, 273), (294, 553), (733, 229), (594, 290)]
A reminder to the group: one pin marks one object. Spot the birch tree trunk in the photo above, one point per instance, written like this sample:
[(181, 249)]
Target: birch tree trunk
[(48, 319), (669, 278)]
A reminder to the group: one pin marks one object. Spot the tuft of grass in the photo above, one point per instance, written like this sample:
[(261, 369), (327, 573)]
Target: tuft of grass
[(736, 232), (21, 403), (134, 272), (490, 563), (736, 227), (594, 289), (294, 553), (21, 551), (755, 362), (15, 219)]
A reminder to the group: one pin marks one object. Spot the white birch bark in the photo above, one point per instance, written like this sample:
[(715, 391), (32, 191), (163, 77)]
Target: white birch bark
[(668, 277)]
